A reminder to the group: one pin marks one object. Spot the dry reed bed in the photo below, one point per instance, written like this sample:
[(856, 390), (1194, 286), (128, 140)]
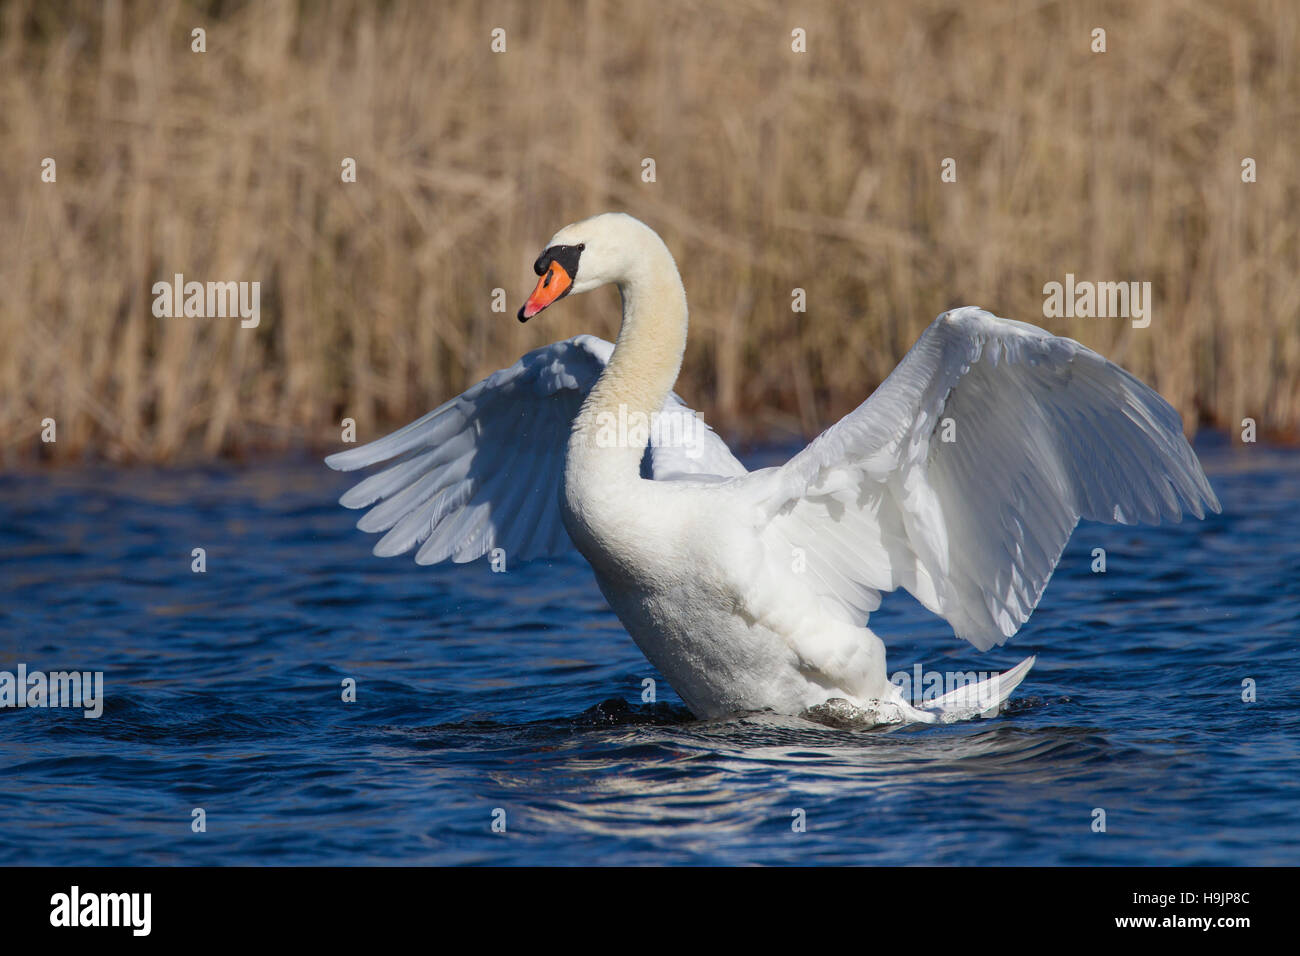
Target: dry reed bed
[(775, 170)]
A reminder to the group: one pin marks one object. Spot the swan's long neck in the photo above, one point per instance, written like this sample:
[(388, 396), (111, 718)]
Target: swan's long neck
[(647, 358)]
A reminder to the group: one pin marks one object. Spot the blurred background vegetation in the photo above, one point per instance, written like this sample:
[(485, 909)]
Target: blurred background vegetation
[(774, 170)]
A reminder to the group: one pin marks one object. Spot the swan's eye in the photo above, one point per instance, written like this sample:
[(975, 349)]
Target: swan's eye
[(581, 246)]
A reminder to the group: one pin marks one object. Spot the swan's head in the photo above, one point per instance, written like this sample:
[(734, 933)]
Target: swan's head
[(585, 256)]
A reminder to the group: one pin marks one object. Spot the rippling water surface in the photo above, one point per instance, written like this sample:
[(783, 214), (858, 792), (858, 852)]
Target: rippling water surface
[(520, 692)]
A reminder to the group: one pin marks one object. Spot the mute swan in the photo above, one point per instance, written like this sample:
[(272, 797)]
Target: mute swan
[(959, 479)]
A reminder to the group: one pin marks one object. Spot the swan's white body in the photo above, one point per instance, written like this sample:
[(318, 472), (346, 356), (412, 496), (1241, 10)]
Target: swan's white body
[(751, 591)]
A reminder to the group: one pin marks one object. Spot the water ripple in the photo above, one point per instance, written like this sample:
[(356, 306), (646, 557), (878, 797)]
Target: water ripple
[(482, 698)]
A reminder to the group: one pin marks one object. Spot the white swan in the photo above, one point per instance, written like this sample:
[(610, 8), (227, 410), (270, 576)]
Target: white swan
[(751, 591)]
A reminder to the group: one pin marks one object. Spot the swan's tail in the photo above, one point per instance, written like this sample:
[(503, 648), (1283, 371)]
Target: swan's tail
[(982, 699)]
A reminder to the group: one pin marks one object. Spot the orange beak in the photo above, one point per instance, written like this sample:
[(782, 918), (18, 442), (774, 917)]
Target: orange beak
[(553, 284)]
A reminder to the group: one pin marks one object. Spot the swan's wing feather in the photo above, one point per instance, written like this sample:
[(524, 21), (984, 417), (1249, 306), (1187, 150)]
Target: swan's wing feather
[(481, 471), (485, 469), (684, 447), (964, 473)]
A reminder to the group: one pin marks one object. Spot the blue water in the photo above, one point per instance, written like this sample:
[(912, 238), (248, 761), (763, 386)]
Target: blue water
[(520, 692)]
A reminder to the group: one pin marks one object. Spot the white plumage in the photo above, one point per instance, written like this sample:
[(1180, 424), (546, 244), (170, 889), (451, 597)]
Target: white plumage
[(484, 470), (960, 479)]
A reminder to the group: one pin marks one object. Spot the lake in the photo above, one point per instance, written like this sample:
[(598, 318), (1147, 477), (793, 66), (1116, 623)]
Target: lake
[(516, 698)]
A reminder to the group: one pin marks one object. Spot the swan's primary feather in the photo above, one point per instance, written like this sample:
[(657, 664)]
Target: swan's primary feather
[(484, 470), (1043, 432)]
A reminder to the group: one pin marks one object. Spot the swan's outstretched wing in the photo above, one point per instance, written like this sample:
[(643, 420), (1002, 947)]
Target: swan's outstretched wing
[(484, 470), (963, 475)]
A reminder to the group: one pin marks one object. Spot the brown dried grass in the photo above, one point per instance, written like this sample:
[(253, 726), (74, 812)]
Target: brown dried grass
[(775, 170)]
